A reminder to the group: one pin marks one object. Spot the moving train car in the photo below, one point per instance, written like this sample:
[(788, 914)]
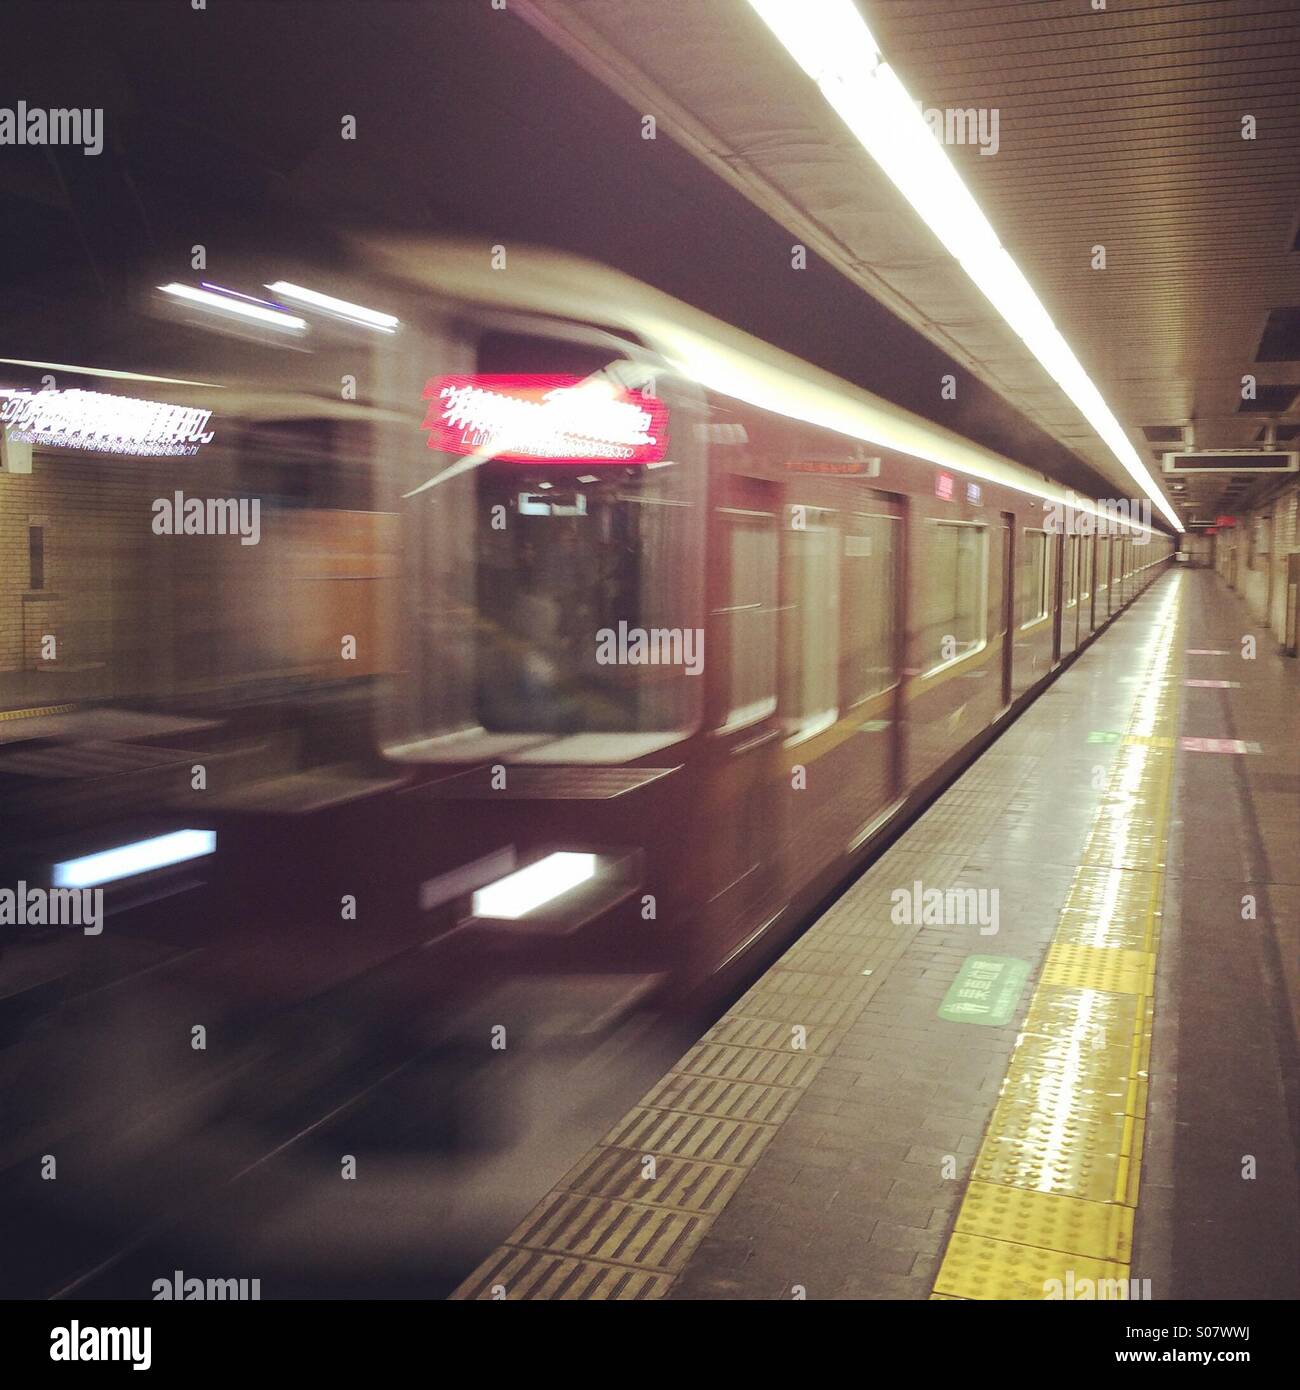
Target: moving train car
[(584, 645)]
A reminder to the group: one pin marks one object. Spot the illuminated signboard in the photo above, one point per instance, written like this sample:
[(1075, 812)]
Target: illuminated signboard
[(106, 424), (859, 468), (973, 494), (1226, 522), (545, 419), (943, 486)]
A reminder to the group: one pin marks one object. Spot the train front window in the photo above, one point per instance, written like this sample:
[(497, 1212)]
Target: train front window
[(554, 561), (576, 628)]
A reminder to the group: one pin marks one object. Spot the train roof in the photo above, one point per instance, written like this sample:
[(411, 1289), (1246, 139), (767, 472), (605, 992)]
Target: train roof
[(720, 357)]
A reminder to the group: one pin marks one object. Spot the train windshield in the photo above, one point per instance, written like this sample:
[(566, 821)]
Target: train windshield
[(556, 596), (563, 592)]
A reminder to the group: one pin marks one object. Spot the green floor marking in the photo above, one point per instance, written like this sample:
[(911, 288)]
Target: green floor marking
[(985, 991)]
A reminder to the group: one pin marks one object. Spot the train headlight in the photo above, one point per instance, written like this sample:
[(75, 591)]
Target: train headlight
[(139, 857), (527, 889)]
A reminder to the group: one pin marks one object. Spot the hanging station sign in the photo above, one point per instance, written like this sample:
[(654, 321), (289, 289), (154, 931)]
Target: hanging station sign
[(545, 419), (96, 421)]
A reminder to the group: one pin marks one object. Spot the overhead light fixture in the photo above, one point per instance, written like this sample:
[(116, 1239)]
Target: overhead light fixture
[(339, 308), (241, 306), (832, 44)]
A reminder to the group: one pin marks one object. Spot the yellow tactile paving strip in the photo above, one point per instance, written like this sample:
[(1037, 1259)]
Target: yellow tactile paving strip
[(1054, 1184), (6, 714)]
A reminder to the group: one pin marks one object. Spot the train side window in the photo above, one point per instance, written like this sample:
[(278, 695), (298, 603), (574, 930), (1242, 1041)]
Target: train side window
[(955, 603), (750, 615), (869, 566), (810, 624), (1032, 595), (1071, 559)]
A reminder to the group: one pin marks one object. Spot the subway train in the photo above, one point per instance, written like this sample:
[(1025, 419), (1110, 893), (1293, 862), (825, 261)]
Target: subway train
[(456, 639)]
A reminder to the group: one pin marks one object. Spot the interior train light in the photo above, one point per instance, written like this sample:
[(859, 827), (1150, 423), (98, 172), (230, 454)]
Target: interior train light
[(139, 857), (338, 308), (527, 889), (241, 306), (545, 419), (76, 419), (832, 44)]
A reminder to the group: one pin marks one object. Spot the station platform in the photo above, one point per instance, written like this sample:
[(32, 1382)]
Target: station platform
[(1079, 1081)]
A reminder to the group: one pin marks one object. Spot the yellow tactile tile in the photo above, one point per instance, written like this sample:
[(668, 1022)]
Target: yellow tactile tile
[(1100, 967), (1056, 1151), (1111, 907), (1125, 844), (1099, 1230), (1046, 1074), (1072, 1013), (976, 1267)]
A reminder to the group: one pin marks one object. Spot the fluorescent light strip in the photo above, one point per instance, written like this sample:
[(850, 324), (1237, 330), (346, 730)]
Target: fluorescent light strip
[(757, 384), (205, 299), (108, 373), (527, 889), (139, 857), (830, 42), (236, 294), (355, 313)]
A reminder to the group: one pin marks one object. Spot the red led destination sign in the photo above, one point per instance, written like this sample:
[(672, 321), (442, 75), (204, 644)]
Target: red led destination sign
[(545, 419)]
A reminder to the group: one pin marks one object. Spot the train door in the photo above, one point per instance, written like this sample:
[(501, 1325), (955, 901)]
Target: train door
[(1074, 586), (1291, 618), (841, 552), (1056, 561), (1086, 585), (745, 732), (871, 637), (1008, 602)]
